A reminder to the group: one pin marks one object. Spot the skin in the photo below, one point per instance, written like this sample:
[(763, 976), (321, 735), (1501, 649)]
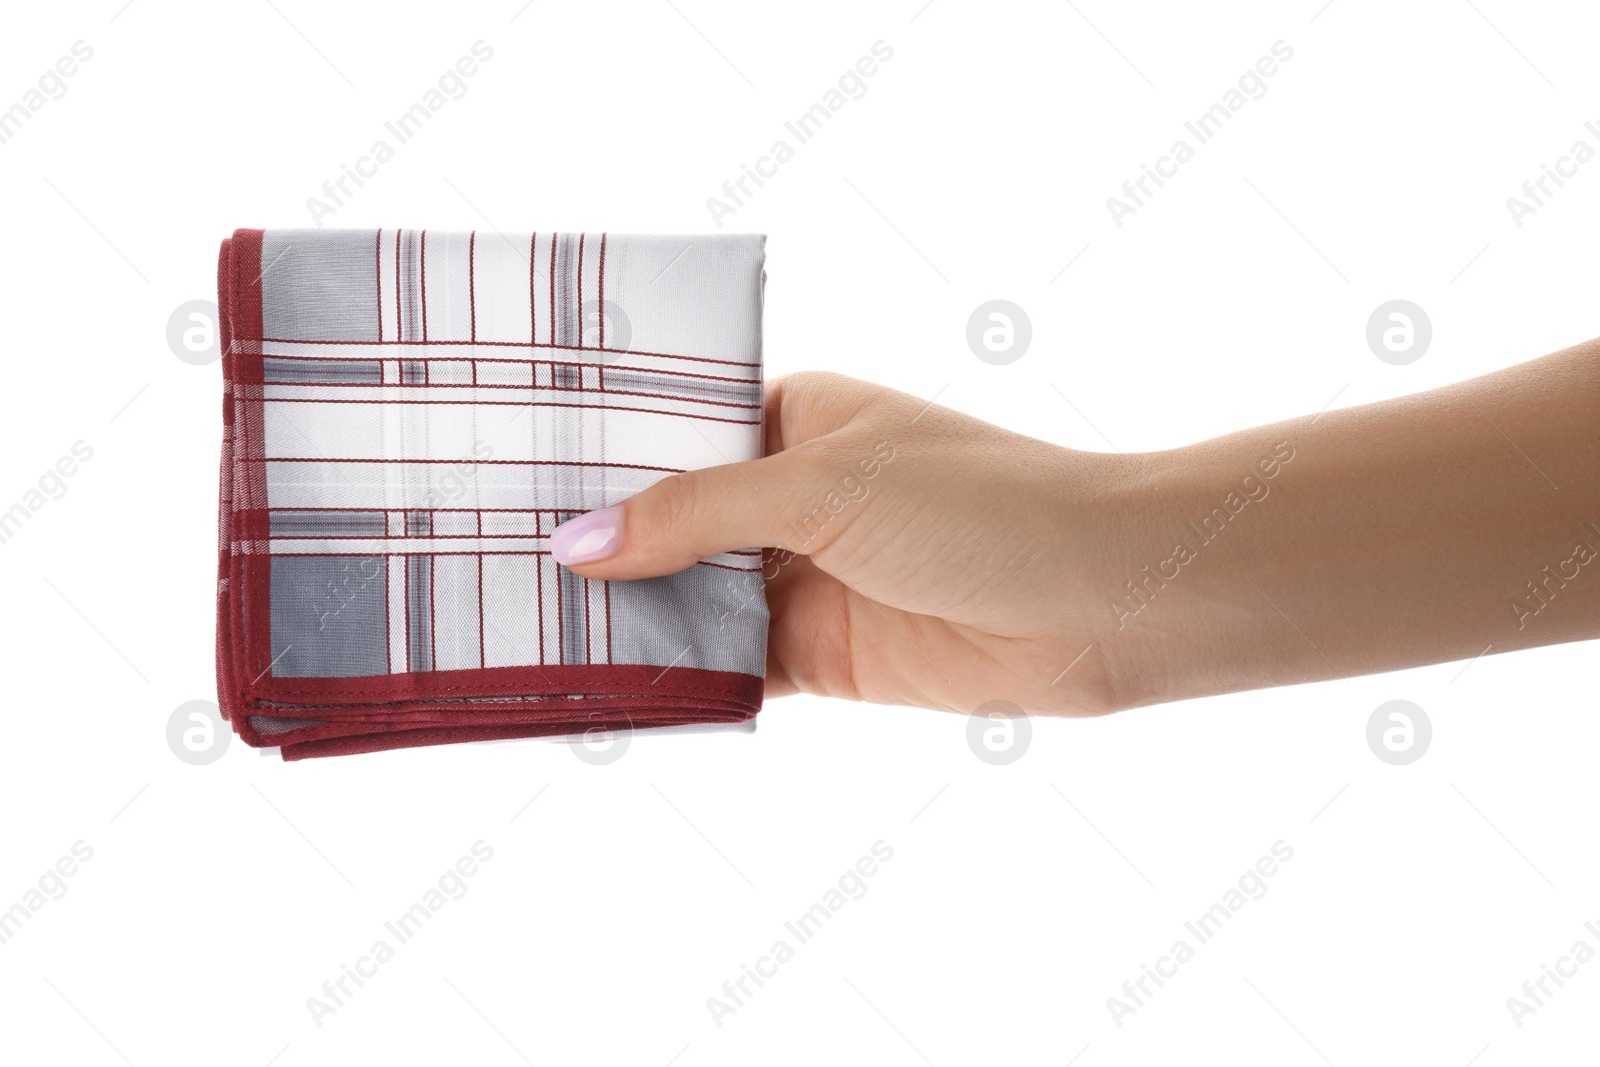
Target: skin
[(975, 564)]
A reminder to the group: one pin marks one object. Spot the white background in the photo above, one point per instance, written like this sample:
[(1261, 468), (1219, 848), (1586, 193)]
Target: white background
[(977, 166)]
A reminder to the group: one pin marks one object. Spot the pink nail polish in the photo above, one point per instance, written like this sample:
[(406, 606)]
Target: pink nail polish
[(592, 536)]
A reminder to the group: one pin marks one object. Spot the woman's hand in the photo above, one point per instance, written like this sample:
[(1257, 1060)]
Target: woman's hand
[(922, 556)]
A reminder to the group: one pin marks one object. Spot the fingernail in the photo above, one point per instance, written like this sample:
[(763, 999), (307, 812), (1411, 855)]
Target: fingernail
[(594, 535)]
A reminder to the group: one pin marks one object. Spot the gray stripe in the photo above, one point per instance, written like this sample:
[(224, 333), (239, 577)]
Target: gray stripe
[(574, 606), (319, 284), (563, 265), (704, 617), (411, 328), (419, 614), (575, 287), (266, 724), (322, 371), (685, 388), (328, 616), (326, 524)]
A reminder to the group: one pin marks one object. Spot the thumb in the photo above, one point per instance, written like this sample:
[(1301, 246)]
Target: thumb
[(688, 517)]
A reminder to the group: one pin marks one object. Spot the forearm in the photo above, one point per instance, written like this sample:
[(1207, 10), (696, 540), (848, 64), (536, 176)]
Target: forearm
[(1413, 531)]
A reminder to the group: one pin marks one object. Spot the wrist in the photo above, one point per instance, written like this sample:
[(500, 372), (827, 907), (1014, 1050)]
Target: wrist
[(1188, 528)]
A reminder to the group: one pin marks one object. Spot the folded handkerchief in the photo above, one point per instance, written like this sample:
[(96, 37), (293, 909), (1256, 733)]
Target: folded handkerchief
[(407, 415)]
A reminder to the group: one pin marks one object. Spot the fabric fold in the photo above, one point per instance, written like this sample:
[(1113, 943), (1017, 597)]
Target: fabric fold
[(407, 414)]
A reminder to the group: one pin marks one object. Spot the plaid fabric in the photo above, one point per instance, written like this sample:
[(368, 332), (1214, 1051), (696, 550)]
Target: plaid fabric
[(407, 415)]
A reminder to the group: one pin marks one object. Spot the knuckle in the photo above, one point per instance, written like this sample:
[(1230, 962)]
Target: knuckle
[(828, 494), (671, 506), (822, 396), (813, 382)]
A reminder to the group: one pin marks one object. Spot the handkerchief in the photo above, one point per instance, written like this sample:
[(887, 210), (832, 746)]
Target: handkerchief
[(407, 415)]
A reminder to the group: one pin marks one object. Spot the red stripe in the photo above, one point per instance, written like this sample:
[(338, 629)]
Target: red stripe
[(533, 304), (495, 344), (246, 298), (602, 345), (499, 359), (516, 511), (536, 364), (485, 552), (423, 255), (536, 512), (227, 598), (475, 385), (401, 537), (579, 286), (513, 462), (254, 573), (553, 238), (514, 403), (472, 284)]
